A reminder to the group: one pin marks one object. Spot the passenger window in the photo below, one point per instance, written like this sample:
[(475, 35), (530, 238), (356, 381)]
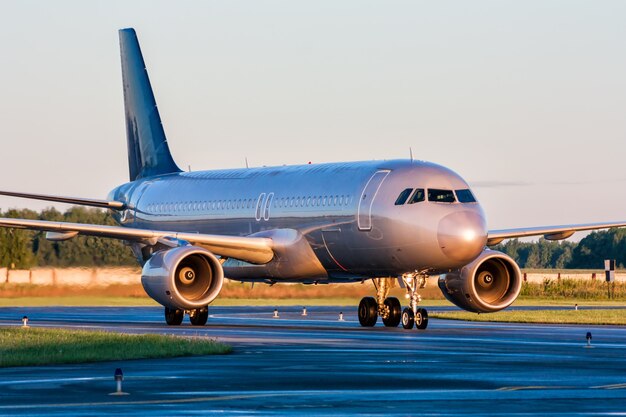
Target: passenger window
[(403, 196), (441, 196), (465, 196), (417, 196)]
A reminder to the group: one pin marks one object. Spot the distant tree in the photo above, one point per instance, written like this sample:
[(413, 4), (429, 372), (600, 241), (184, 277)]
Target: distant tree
[(24, 249), (540, 254), (15, 244), (593, 249)]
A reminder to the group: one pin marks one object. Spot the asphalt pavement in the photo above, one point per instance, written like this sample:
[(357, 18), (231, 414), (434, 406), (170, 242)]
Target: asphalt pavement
[(318, 365)]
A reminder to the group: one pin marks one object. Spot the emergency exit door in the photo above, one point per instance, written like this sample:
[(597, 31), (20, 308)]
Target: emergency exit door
[(364, 214)]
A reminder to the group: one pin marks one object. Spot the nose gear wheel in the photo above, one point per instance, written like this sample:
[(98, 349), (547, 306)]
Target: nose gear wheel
[(408, 318)]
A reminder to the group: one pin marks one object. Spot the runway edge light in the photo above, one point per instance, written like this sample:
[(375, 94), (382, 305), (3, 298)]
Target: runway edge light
[(118, 376)]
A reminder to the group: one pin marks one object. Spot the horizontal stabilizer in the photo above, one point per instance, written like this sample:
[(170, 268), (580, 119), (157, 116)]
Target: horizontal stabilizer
[(92, 202)]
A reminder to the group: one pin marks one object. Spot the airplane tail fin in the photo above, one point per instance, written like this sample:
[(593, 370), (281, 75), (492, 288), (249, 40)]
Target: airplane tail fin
[(148, 153)]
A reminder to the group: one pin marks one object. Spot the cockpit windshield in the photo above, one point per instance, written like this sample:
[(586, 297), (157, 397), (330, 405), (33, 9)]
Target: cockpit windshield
[(441, 196), (417, 196), (403, 196), (465, 196)]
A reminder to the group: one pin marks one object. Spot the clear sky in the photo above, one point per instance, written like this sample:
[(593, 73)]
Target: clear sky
[(525, 99)]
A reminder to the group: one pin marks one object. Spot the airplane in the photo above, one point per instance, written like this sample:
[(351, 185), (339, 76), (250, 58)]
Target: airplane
[(390, 221)]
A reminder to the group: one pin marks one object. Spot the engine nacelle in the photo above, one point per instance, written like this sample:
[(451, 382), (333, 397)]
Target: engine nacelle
[(186, 277), (490, 283)]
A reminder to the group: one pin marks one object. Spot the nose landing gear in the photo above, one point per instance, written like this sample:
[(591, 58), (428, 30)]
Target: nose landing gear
[(413, 282), (389, 308)]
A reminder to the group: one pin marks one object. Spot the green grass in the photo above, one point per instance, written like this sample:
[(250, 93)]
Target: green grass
[(566, 302), (581, 316), (75, 301), (134, 301), (32, 346), (573, 289), (331, 301)]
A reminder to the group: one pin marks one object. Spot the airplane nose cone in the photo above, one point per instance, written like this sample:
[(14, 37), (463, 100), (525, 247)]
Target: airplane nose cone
[(462, 236)]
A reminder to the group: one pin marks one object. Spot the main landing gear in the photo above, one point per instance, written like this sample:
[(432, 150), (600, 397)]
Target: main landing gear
[(197, 317), (389, 308)]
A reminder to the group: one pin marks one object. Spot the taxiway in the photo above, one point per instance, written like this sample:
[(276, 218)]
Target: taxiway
[(317, 365)]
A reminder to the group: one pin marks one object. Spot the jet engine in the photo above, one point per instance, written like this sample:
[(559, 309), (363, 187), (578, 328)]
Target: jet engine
[(186, 277), (490, 283)]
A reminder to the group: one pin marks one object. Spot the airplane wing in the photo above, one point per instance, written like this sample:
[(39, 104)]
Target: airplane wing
[(257, 250), (92, 202), (549, 232)]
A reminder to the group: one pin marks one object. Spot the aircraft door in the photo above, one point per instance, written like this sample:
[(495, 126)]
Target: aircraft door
[(364, 214), (132, 214)]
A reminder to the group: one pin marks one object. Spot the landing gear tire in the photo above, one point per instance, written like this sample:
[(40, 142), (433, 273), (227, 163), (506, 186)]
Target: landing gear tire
[(368, 312), (199, 316), (421, 318), (408, 318), (174, 317), (395, 311)]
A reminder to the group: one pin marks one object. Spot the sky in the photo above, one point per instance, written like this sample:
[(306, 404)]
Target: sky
[(524, 99)]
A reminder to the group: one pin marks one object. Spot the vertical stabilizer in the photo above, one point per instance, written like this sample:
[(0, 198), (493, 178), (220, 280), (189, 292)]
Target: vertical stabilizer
[(148, 153)]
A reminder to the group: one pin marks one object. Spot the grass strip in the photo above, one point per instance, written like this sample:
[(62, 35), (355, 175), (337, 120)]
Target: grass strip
[(581, 316), (76, 301), (221, 302), (32, 346)]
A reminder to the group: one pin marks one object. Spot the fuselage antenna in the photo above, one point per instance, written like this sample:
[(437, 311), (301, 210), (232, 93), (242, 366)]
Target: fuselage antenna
[(247, 162), (411, 153)]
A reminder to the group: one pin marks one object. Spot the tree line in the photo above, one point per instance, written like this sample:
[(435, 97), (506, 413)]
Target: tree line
[(23, 249), (589, 253)]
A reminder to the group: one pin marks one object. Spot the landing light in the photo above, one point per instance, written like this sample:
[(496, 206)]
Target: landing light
[(469, 235)]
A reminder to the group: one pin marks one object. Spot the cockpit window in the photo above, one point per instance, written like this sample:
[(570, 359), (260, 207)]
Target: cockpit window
[(403, 196), (465, 196), (440, 196), (417, 196)]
